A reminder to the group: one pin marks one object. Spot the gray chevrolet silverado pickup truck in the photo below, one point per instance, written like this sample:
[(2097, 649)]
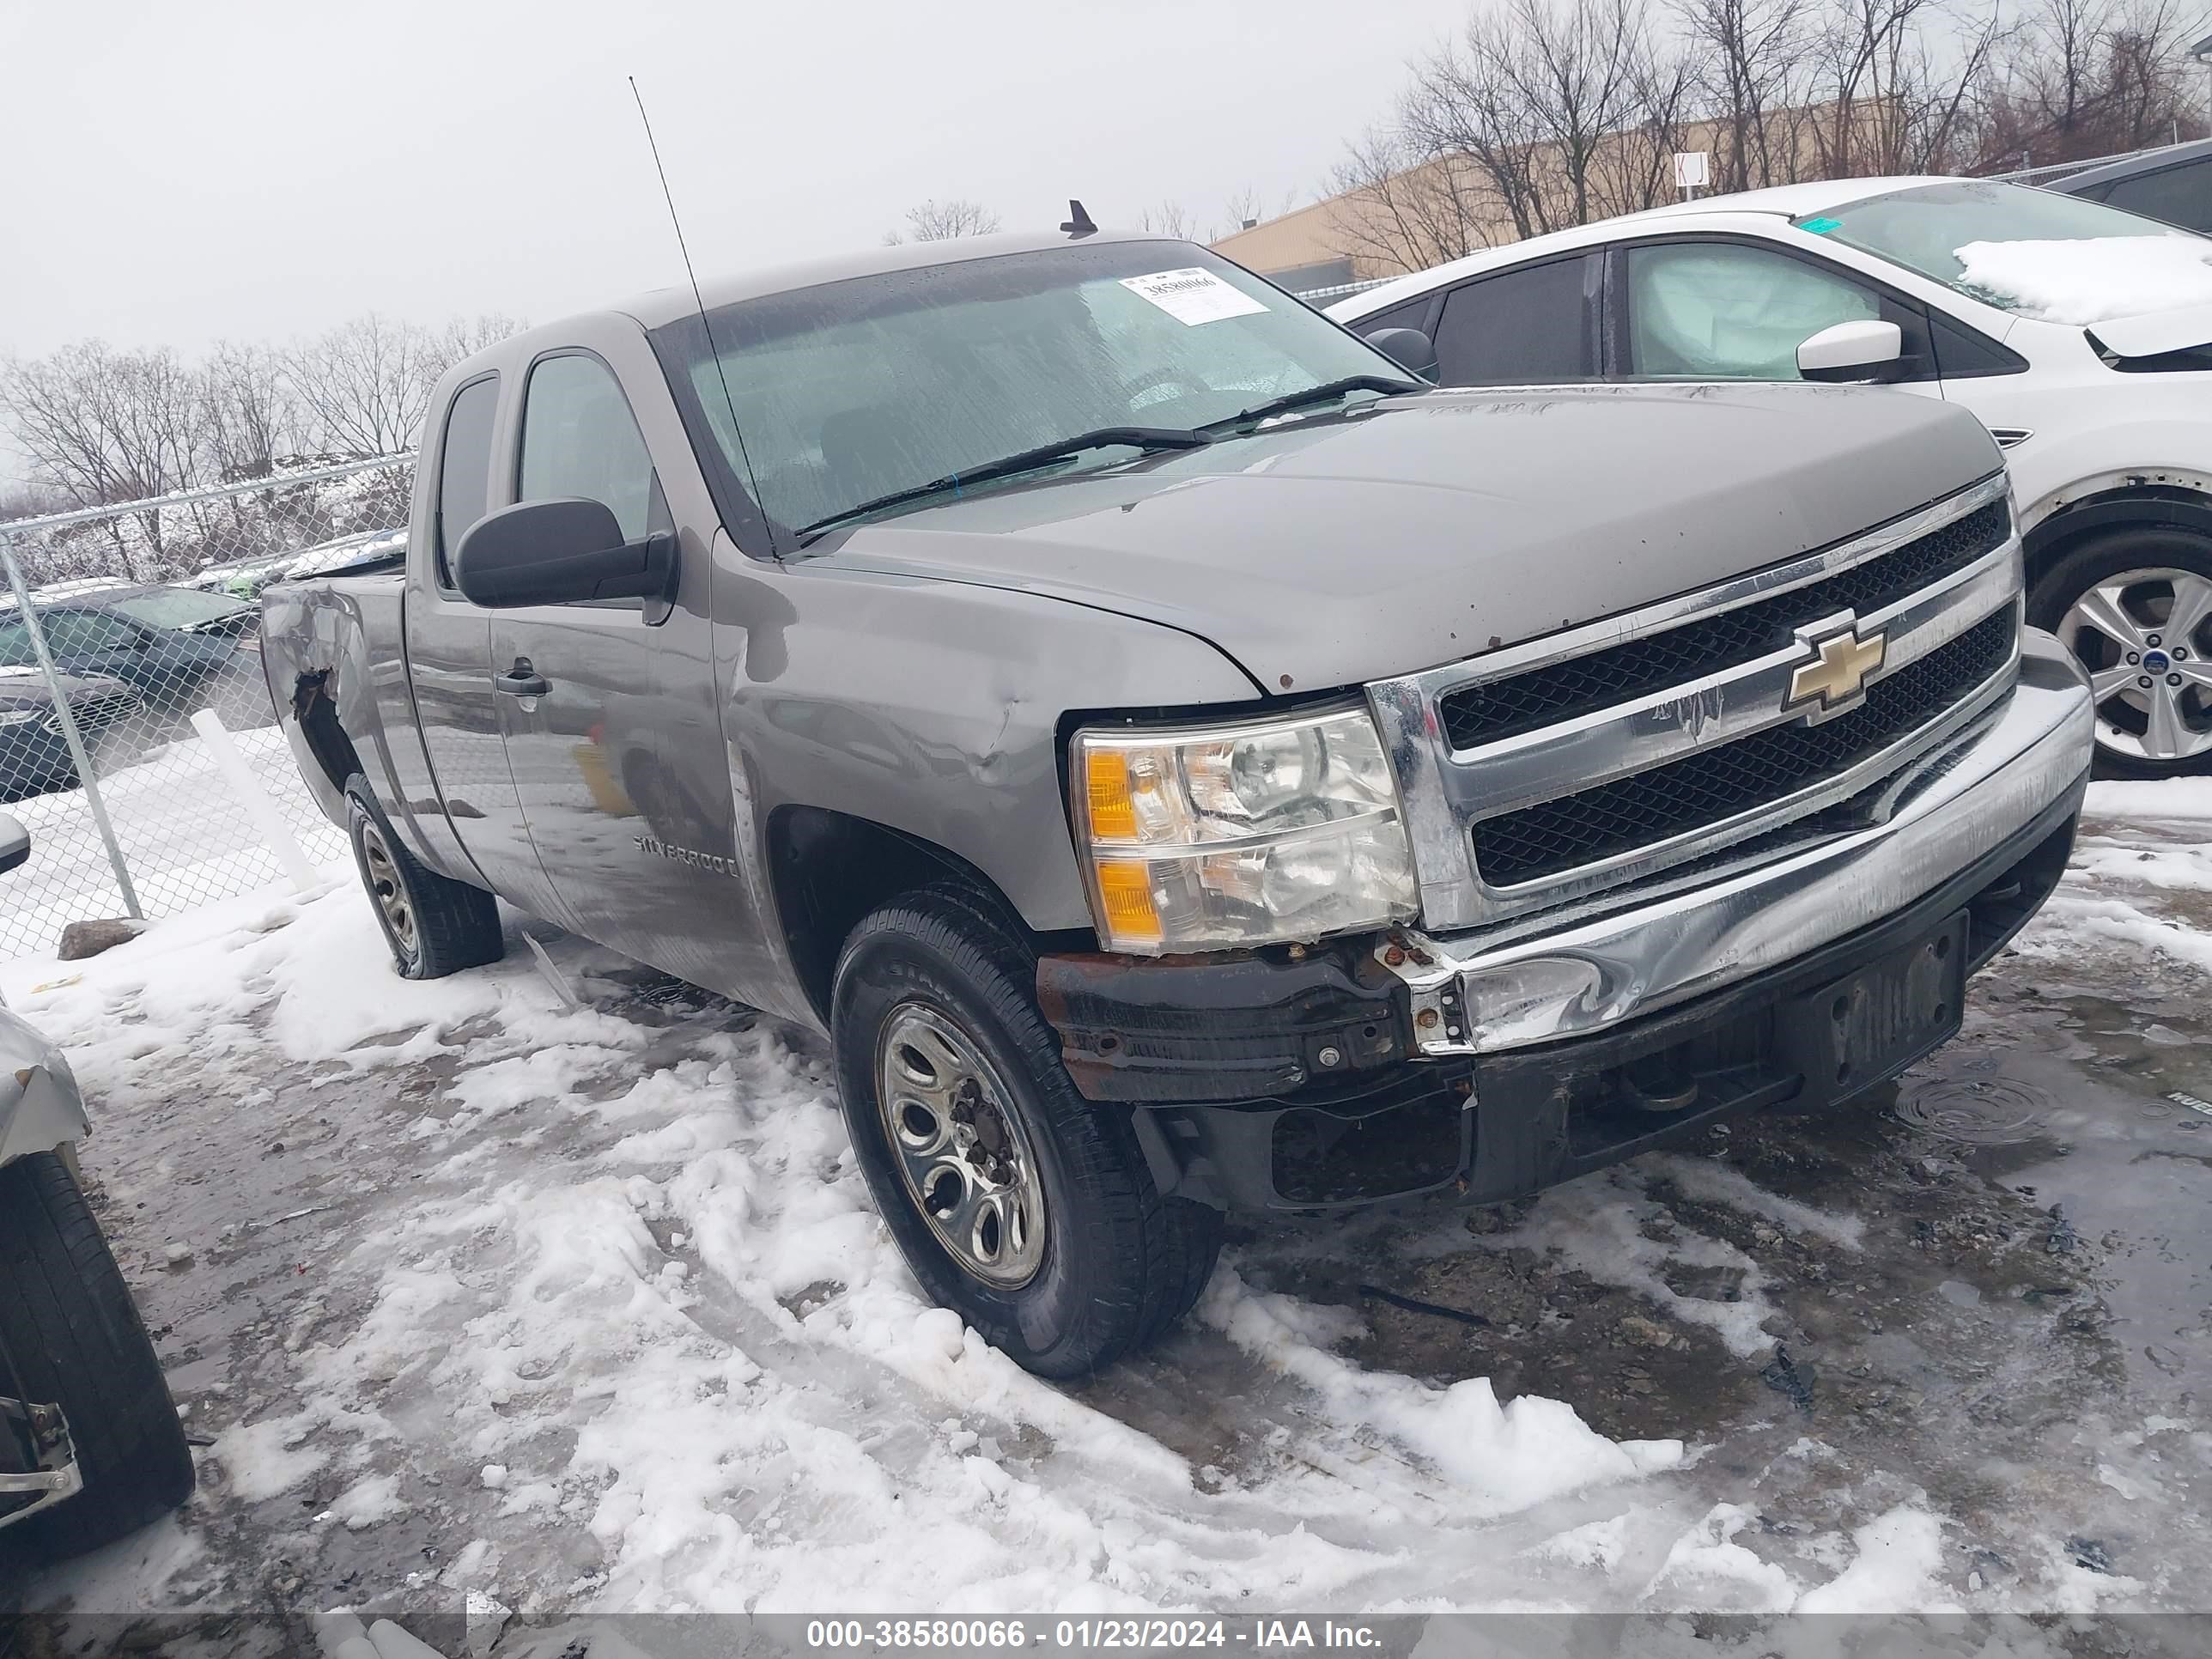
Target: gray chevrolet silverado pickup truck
[(1184, 762)]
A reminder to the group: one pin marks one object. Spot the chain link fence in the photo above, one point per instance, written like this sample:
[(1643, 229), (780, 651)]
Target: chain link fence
[(138, 745)]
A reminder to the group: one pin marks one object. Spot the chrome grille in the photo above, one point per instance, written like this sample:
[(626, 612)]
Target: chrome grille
[(95, 713), (1498, 709), (1556, 771), (1716, 784)]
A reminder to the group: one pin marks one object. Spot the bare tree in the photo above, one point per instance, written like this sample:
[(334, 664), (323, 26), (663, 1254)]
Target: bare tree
[(1753, 58), (1400, 210), (1168, 218), (940, 221), (1567, 109), (31, 500), (252, 414), (2078, 78), (101, 425), (1241, 211), (362, 388), (1890, 96)]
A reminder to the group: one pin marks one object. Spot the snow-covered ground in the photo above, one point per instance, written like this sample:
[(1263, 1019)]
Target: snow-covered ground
[(186, 838), (583, 1308)]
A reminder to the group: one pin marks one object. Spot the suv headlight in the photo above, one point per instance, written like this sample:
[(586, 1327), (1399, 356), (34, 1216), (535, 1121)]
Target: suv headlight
[(1250, 833)]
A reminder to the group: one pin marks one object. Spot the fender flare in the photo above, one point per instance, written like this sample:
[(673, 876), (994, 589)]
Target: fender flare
[(2136, 501)]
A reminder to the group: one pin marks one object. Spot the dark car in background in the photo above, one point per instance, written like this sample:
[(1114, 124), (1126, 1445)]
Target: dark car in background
[(177, 648), (244, 579), (2173, 183), (34, 756)]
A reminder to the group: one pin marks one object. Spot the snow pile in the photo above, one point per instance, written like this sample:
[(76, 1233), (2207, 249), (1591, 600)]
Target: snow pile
[(609, 1315), (1503, 1458), (2082, 282)]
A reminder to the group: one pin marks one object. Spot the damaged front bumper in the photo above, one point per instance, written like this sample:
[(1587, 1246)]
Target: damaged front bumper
[(1501, 1062)]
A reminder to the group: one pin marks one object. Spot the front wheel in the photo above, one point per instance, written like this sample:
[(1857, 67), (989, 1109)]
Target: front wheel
[(2135, 607), (1024, 1208), (69, 1332)]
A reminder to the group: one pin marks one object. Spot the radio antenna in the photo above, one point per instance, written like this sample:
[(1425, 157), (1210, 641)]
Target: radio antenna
[(698, 299)]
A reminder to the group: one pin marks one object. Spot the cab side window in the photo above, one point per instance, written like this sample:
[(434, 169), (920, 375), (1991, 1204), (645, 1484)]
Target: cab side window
[(578, 438), (464, 468)]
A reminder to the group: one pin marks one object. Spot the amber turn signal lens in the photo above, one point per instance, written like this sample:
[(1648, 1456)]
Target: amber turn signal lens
[(1106, 786), (1125, 894)]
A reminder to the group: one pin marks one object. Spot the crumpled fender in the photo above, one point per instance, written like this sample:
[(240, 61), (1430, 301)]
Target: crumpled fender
[(41, 1107)]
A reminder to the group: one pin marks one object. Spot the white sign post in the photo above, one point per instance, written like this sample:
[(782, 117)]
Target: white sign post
[(1694, 172)]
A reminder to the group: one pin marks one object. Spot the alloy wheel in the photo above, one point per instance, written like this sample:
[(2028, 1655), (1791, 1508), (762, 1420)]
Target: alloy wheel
[(2145, 637)]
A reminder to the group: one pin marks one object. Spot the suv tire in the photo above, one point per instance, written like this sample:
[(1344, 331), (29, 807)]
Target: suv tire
[(68, 1324), (435, 926), (2148, 568), (1026, 1209)]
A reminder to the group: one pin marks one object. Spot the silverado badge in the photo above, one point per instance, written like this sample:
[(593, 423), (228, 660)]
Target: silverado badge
[(1838, 670)]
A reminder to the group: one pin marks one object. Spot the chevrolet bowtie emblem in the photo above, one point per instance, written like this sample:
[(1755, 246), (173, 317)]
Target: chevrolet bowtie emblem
[(1839, 670)]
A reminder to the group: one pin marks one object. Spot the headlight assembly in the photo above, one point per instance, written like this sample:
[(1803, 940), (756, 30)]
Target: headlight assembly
[(1204, 838)]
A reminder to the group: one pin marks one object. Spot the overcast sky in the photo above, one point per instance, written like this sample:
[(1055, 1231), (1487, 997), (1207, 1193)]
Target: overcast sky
[(234, 168)]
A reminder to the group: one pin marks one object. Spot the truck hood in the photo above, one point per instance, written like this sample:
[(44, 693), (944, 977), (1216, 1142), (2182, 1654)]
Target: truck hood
[(1329, 551)]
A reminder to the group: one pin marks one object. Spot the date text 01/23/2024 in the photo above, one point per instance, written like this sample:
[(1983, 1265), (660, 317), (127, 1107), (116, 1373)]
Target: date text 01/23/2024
[(878, 1635)]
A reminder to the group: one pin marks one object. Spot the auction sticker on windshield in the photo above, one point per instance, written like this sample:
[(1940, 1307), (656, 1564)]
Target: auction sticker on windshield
[(1193, 296)]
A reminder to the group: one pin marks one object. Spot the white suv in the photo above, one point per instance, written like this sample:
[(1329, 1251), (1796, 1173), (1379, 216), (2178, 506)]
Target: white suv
[(2080, 335)]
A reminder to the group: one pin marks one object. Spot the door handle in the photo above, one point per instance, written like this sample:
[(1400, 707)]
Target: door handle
[(522, 680)]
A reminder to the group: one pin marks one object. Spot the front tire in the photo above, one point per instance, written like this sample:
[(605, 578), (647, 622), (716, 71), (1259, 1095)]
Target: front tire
[(69, 1325), (1024, 1208), (435, 926), (2134, 605)]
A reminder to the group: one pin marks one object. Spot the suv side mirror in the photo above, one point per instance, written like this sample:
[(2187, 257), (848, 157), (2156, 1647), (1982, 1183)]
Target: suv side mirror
[(15, 841), (1861, 351), (1408, 348), (563, 551)]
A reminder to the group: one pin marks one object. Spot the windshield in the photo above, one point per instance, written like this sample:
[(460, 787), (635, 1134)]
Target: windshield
[(176, 607), (854, 390), (2032, 252)]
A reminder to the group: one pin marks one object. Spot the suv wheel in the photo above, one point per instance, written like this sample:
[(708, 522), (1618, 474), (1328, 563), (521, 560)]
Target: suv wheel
[(2134, 606), (435, 926), (1026, 1209)]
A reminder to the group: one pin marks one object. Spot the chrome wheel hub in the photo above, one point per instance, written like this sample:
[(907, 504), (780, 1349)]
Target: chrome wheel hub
[(386, 889), (961, 1148), (2145, 637)]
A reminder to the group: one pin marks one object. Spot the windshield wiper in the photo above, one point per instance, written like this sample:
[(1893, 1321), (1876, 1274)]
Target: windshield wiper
[(1148, 438), (1322, 393)]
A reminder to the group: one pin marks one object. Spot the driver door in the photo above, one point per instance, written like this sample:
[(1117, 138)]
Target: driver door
[(608, 706)]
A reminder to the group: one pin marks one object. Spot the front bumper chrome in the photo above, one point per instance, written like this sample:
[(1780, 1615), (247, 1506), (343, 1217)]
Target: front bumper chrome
[(1929, 823)]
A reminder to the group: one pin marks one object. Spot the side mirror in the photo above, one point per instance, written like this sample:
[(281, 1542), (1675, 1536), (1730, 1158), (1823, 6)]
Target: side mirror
[(15, 841), (1408, 348), (1846, 352), (563, 551)]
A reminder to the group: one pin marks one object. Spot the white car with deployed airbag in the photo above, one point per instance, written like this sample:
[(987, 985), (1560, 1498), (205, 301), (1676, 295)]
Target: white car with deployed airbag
[(2079, 334)]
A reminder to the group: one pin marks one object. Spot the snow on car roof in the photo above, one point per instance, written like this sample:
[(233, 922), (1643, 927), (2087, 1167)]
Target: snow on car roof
[(69, 589)]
